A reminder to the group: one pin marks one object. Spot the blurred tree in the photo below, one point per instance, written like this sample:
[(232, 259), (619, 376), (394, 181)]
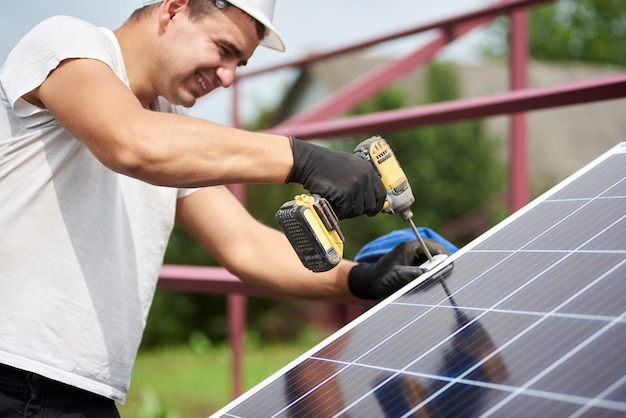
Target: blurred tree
[(591, 31)]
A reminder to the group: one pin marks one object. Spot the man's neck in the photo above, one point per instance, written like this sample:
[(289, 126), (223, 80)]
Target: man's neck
[(136, 44)]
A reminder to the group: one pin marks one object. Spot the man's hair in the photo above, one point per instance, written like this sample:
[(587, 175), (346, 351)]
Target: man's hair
[(199, 9)]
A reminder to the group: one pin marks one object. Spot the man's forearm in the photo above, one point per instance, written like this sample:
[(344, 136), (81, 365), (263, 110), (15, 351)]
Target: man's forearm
[(181, 151)]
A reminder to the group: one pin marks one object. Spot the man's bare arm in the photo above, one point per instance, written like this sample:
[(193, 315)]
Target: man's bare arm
[(252, 251), (93, 105)]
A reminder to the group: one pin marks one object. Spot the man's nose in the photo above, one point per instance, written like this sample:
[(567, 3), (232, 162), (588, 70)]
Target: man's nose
[(226, 74)]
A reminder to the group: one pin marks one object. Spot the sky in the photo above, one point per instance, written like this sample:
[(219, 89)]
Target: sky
[(305, 25)]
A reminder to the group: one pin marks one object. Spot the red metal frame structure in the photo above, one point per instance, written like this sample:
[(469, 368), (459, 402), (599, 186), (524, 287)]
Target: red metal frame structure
[(315, 123)]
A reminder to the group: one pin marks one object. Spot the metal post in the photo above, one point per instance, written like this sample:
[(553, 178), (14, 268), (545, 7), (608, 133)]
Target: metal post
[(237, 303), (518, 181), (236, 332)]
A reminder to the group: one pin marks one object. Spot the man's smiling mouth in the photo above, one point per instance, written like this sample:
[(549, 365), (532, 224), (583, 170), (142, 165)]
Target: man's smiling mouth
[(200, 81)]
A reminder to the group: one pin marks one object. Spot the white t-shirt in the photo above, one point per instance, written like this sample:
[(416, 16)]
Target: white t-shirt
[(80, 245)]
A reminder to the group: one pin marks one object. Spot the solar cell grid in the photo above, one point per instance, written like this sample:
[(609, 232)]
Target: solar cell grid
[(535, 324)]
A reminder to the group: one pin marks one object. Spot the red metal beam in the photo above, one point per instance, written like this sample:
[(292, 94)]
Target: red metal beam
[(604, 88), (380, 77), (237, 315), (218, 281), (374, 81), (502, 7), (210, 280)]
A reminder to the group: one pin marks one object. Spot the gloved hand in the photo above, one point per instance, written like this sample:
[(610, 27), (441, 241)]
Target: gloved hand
[(349, 183), (392, 271)]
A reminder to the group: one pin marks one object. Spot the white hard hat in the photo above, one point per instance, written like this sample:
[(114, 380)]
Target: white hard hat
[(261, 10)]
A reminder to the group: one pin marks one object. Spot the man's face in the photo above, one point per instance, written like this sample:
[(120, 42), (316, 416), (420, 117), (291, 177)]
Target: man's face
[(199, 56)]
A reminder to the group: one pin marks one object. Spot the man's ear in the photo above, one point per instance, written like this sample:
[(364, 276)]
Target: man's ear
[(169, 9)]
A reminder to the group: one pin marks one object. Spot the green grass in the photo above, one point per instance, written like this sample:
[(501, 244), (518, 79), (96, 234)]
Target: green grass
[(195, 382)]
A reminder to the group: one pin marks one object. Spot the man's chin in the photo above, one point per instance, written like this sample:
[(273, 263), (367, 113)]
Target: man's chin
[(185, 101), (187, 98)]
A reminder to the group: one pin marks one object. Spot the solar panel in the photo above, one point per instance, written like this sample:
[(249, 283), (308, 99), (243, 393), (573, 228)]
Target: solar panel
[(531, 322)]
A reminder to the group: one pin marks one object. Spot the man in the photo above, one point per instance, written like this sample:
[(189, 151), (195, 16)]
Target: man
[(96, 162)]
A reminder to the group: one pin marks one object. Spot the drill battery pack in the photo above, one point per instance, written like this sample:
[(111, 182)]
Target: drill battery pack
[(312, 228)]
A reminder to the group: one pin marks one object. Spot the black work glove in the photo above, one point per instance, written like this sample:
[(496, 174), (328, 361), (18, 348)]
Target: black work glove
[(392, 271), (349, 183)]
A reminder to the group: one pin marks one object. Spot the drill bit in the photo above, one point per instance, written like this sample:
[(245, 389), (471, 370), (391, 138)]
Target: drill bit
[(420, 240)]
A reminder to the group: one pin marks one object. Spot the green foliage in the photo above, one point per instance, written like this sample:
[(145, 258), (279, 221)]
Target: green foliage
[(571, 30), (176, 317), (151, 407)]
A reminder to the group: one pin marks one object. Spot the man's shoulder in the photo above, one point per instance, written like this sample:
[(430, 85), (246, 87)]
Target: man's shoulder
[(66, 23), (58, 31), (50, 42)]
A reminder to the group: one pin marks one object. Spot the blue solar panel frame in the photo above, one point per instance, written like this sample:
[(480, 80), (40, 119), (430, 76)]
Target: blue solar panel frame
[(531, 322)]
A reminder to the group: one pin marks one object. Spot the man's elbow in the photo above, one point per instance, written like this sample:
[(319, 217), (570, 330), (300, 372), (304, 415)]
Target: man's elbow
[(136, 157)]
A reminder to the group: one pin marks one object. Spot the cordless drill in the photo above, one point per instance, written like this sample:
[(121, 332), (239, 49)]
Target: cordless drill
[(312, 228)]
